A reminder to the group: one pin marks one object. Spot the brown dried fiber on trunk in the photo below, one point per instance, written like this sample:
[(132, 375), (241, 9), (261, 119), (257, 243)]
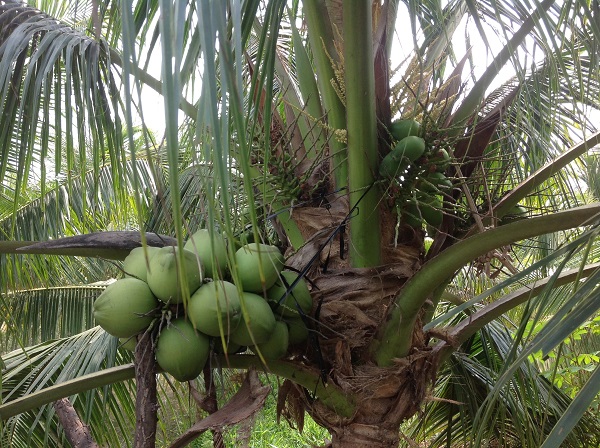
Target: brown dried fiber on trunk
[(349, 307), (385, 397)]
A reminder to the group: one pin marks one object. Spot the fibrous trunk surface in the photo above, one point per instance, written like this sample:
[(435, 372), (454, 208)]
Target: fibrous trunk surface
[(350, 306)]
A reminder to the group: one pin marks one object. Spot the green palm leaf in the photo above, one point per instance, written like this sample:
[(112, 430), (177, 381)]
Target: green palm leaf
[(56, 361)]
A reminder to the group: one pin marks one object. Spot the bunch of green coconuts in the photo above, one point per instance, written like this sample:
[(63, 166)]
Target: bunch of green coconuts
[(259, 309), (413, 166), (418, 168)]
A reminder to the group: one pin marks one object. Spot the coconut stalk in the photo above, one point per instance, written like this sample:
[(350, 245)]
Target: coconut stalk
[(365, 238), (146, 401)]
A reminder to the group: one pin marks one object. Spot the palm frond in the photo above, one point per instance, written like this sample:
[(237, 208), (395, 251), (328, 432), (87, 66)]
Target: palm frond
[(109, 410), (32, 316), (55, 83), (525, 412), (72, 207)]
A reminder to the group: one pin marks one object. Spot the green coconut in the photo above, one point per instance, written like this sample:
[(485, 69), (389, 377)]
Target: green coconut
[(440, 160), (411, 215), (410, 147), (128, 344), (431, 209), (404, 128), (277, 345), (181, 350), (434, 182), (163, 276), (299, 296), (125, 307), (212, 252), (258, 266), (516, 213), (214, 309), (231, 347), (257, 323), (393, 165), (398, 160), (136, 263), (297, 330)]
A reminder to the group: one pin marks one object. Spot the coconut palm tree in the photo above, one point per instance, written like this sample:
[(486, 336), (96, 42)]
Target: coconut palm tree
[(444, 269)]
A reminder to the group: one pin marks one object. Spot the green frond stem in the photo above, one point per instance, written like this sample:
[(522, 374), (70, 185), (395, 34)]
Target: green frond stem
[(391, 15), (94, 380), (322, 40), (309, 89), (473, 99), (395, 338), (467, 328), (365, 238), (291, 229), (527, 186), (436, 296), (328, 393)]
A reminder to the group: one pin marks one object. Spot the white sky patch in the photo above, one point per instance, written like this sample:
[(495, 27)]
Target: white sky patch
[(465, 36)]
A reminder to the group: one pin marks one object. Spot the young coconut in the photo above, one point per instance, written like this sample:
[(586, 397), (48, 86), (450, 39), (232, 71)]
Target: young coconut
[(258, 266), (277, 345), (181, 350), (214, 309), (431, 209), (299, 296), (404, 128), (257, 324), (516, 213), (411, 215), (297, 330), (163, 276), (407, 150), (230, 346), (136, 263), (212, 252), (435, 182), (128, 343), (125, 307)]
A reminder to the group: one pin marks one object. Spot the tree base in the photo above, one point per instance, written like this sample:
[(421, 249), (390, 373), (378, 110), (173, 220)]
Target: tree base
[(360, 436)]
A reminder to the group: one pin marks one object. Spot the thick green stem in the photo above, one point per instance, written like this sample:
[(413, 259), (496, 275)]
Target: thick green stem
[(467, 328), (48, 395), (328, 393), (321, 39), (365, 237), (543, 174), (395, 338)]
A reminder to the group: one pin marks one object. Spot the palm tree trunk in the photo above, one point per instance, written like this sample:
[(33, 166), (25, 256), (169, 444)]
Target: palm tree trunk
[(360, 436)]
